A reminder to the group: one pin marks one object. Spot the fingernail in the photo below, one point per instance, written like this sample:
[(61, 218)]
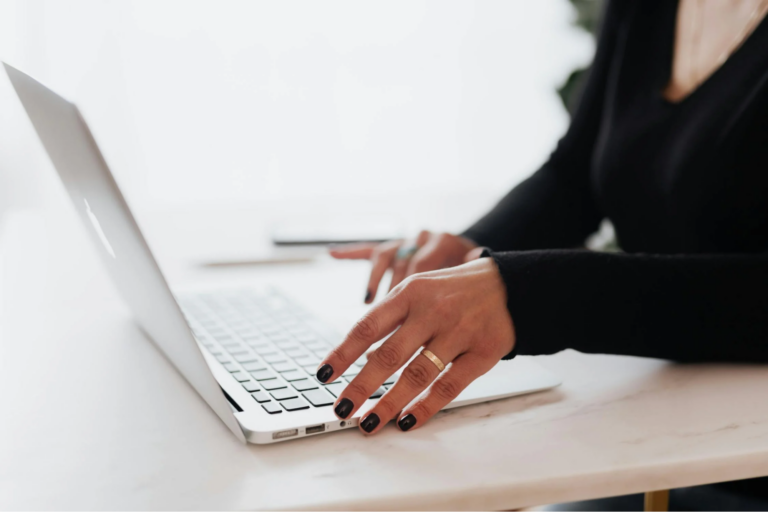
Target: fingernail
[(344, 408), (368, 296), (324, 373), (406, 422), (370, 422)]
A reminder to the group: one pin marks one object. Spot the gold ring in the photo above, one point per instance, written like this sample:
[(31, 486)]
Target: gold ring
[(432, 357)]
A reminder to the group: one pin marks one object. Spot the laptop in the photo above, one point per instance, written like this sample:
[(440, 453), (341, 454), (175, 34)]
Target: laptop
[(251, 354)]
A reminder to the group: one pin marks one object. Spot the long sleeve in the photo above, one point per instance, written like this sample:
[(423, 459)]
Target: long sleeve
[(555, 206), (684, 308)]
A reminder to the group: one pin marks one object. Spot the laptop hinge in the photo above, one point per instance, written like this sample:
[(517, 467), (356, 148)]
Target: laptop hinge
[(231, 401)]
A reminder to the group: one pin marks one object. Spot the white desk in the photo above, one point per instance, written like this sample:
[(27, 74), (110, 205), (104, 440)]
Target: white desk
[(94, 417)]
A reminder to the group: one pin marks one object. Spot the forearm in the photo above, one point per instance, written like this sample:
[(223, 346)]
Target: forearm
[(546, 211), (684, 308)]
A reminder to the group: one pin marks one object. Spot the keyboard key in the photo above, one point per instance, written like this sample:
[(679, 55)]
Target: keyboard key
[(254, 366), (350, 372), (308, 360), (284, 367), (317, 345), (241, 376), (336, 388), (231, 367), (274, 358), (239, 352), (273, 384), (251, 386), (304, 384), (294, 404), (283, 394), (295, 352), (293, 375), (318, 397), (266, 350), (261, 397), (378, 393), (221, 358), (245, 358), (263, 375), (253, 338), (272, 408)]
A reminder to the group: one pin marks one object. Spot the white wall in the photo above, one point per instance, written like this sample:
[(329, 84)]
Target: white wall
[(239, 100)]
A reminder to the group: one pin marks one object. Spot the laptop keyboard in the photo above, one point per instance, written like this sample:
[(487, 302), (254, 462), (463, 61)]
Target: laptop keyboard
[(270, 346)]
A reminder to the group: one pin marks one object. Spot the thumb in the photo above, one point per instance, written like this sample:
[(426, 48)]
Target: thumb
[(474, 254)]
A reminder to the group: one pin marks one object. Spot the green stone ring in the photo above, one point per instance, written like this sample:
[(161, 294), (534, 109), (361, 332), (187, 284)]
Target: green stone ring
[(406, 251)]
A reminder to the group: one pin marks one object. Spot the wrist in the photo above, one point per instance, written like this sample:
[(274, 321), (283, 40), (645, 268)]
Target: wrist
[(468, 242), (490, 265)]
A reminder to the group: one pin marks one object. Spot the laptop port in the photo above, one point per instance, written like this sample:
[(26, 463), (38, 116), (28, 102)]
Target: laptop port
[(316, 429), (285, 433)]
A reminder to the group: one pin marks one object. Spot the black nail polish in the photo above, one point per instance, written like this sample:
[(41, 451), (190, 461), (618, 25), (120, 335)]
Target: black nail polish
[(368, 296), (406, 422), (324, 373), (344, 408), (370, 422)]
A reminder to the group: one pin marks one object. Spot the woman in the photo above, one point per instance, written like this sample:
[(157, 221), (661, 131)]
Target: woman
[(669, 142)]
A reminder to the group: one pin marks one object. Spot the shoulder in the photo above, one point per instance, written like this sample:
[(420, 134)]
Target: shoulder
[(620, 10), (643, 15)]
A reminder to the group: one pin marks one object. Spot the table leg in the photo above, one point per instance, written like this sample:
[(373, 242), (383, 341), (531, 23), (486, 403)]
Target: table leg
[(657, 501)]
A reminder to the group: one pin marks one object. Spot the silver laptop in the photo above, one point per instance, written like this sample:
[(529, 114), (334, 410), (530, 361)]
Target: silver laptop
[(251, 354)]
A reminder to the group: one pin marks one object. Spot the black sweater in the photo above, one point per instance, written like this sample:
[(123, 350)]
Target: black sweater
[(686, 187)]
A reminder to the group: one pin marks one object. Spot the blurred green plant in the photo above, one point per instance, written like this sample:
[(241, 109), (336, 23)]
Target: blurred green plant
[(588, 18)]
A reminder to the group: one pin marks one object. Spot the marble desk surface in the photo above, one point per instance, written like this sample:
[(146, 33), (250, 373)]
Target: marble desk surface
[(94, 417)]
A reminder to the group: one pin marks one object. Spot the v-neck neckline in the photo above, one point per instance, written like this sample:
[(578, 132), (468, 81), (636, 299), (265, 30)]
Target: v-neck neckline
[(670, 57)]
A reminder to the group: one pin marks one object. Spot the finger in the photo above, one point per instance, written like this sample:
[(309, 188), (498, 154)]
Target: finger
[(473, 254), (369, 353), (398, 272), (352, 251), (381, 365), (382, 319), (464, 369), (382, 259), (415, 378), (427, 258)]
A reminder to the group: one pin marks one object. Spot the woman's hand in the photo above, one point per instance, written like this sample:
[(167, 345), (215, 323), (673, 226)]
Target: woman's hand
[(458, 314), (431, 251)]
